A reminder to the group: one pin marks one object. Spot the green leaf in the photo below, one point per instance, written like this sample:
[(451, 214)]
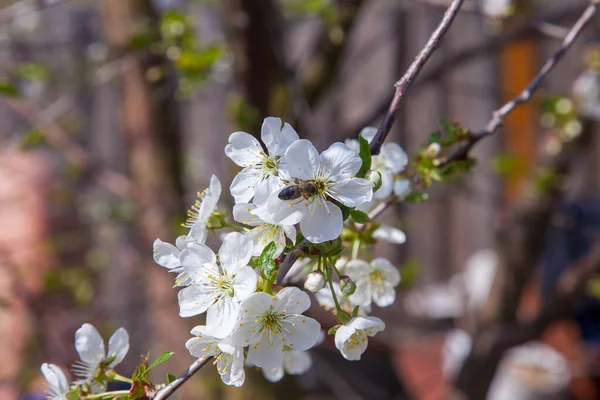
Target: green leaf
[(333, 330), (163, 357), (7, 89), (345, 211), (359, 216), (267, 265), (417, 197), (171, 378), (434, 138), (365, 156), (355, 312)]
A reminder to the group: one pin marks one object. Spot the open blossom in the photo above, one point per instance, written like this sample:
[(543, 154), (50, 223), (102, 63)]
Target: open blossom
[(333, 172), (260, 176), (268, 324), (218, 287), (263, 232), (229, 359), (295, 362), (389, 234), (351, 339), (90, 346), (168, 256), (57, 382), (204, 206), (391, 160), (375, 281)]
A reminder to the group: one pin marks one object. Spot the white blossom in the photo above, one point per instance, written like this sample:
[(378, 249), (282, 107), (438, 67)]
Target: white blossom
[(168, 255), (375, 281), (207, 201), (90, 346), (586, 91), (351, 339), (325, 300), (333, 172), (390, 161), (57, 382), (315, 281), (263, 232), (229, 359), (402, 188), (268, 324), (218, 288), (260, 176), (389, 234)]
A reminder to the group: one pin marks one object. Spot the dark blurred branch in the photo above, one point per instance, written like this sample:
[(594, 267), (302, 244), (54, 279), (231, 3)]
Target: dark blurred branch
[(498, 116), (411, 74), (72, 151), (172, 387)]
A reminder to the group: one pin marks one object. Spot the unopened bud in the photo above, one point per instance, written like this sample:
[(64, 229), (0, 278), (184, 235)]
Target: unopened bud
[(347, 285), (315, 281), (375, 177), (433, 150)]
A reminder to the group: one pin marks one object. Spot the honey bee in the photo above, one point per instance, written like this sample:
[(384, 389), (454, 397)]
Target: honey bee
[(306, 189)]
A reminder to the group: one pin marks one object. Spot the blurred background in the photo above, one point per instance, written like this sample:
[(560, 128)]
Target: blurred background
[(114, 113)]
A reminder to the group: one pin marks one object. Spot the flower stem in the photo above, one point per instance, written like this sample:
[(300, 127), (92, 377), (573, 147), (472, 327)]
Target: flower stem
[(108, 394), (235, 227), (122, 378), (343, 317), (355, 249)]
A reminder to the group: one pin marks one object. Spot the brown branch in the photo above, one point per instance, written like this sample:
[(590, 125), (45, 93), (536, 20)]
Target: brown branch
[(498, 116), (411, 74), (289, 260), (172, 387)]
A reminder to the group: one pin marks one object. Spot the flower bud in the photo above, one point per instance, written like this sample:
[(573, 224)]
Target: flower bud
[(375, 177), (315, 281), (347, 286), (433, 150)]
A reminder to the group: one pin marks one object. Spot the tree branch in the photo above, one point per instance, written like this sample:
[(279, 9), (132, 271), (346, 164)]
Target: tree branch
[(168, 390), (411, 74), (498, 116)]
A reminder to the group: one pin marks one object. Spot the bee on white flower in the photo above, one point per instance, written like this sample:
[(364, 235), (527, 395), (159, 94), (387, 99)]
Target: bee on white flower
[(333, 175), (390, 161), (375, 281), (352, 339), (269, 324), (260, 176), (263, 232), (207, 201), (90, 346), (57, 382), (229, 359), (218, 287)]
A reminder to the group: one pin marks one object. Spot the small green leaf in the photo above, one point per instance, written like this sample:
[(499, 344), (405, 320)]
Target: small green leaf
[(267, 265), (163, 357), (355, 312), (7, 89), (434, 138), (345, 211), (333, 330), (359, 216), (365, 156), (171, 378), (417, 197)]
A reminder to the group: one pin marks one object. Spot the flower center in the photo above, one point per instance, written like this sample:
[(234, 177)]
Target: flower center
[(270, 322), (270, 164), (223, 284), (377, 276), (378, 163), (355, 340)]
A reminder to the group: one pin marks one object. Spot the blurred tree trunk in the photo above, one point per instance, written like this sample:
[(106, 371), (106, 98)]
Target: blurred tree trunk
[(150, 125)]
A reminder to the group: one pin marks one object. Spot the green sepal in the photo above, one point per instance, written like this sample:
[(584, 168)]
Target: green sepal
[(359, 216), (417, 197), (365, 156), (333, 330), (161, 359), (171, 378)]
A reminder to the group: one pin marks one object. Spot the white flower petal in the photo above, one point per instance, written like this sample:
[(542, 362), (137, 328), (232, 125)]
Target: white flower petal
[(297, 362), (276, 138), (198, 261), (402, 188), (302, 332), (194, 300), (385, 296), (221, 317), (396, 159), (387, 185), (340, 161), (266, 354), (352, 192), (244, 149), (301, 160), (57, 380), (281, 212), (290, 232), (203, 345), (323, 221), (371, 325), (292, 300), (389, 234), (89, 345), (243, 186), (199, 233), (244, 284), (362, 296), (165, 254), (273, 374), (235, 252), (391, 273), (231, 367), (118, 345), (242, 213), (368, 132), (269, 185)]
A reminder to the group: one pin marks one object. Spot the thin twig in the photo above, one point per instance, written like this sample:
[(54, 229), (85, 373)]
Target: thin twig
[(168, 390), (289, 260), (411, 74), (498, 116)]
